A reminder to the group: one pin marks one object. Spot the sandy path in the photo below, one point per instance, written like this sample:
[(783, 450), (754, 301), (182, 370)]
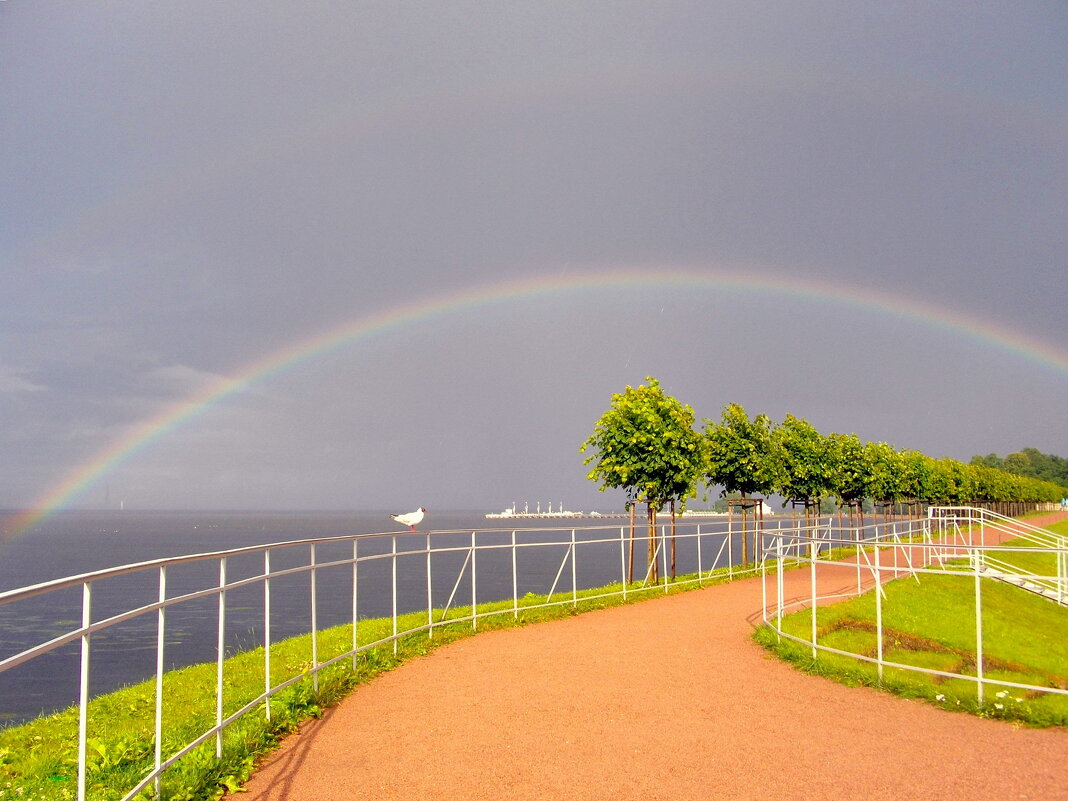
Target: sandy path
[(668, 699)]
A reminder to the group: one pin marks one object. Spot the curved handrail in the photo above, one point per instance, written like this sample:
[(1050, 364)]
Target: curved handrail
[(566, 539), (957, 554)]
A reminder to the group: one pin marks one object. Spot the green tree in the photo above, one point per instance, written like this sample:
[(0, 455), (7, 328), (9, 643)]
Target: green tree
[(888, 479), (740, 457), (805, 462), (850, 469), (918, 469), (646, 444), (1031, 463), (942, 489), (741, 453)]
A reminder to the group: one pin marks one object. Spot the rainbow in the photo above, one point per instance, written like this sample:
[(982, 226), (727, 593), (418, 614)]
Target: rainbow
[(426, 310)]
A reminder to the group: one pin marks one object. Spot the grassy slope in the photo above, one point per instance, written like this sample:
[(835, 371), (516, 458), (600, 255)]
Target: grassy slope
[(932, 624)]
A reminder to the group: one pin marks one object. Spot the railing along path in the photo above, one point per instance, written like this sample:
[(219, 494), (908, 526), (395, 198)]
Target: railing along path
[(519, 557), (950, 541), (711, 547)]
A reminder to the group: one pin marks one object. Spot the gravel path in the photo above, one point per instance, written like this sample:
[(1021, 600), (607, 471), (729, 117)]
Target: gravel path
[(667, 699)]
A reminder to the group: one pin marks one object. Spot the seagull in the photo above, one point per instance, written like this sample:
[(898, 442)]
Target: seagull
[(410, 519)]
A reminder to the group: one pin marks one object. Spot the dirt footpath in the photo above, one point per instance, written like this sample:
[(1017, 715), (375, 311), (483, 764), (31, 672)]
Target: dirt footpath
[(667, 699)]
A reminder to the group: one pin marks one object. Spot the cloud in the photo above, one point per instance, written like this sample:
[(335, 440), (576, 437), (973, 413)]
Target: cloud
[(12, 382), (180, 378)]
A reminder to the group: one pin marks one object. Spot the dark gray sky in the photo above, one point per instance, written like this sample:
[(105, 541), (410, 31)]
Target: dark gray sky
[(190, 187)]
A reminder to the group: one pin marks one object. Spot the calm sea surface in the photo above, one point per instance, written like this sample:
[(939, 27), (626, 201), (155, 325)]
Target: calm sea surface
[(71, 543)]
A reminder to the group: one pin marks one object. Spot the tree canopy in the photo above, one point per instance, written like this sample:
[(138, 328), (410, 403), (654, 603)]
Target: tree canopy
[(806, 469), (740, 453), (1029, 462), (851, 471), (646, 444)]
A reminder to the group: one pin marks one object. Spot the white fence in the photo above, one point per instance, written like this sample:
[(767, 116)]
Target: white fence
[(473, 567), (438, 571), (951, 541)]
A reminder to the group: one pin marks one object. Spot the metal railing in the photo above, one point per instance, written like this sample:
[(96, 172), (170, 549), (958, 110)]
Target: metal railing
[(416, 566), (979, 525), (955, 541), (417, 580)]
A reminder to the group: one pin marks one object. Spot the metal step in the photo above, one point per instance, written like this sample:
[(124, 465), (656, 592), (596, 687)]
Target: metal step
[(1021, 582)]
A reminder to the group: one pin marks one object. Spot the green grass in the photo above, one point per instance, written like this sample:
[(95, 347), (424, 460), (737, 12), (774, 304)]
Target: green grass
[(1040, 564), (931, 624), (38, 760)]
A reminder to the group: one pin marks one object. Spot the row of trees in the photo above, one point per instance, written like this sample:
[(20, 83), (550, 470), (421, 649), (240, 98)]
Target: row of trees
[(647, 444), (1030, 462)]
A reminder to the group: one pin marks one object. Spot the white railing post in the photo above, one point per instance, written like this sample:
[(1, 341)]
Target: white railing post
[(859, 546), (393, 588), (878, 612), (779, 583), (83, 688), (812, 571), (664, 556), (355, 602), (730, 546), (429, 593), (700, 563), (623, 561), (1062, 564), (927, 539), (894, 538), (267, 631), (314, 620), (979, 636), (764, 591), (474, 585), (515, 582), (574, 571), (161, 635), (220, 658)]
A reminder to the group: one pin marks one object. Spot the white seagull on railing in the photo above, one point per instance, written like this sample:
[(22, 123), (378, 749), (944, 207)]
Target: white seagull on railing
[(410, 519)]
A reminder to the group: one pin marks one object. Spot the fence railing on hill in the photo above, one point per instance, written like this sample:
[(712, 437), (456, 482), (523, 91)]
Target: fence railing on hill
[(956, 541)]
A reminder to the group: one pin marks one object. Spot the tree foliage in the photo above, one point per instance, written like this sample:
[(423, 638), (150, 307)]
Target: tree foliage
[(805, 460), (851, 472), (740, 453), (887, 467), (646, 444), (1029, 462)]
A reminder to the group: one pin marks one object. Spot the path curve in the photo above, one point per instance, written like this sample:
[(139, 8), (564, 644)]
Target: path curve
[(666, 699)]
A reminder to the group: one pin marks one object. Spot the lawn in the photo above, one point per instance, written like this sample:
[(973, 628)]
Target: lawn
[(931, 624)]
